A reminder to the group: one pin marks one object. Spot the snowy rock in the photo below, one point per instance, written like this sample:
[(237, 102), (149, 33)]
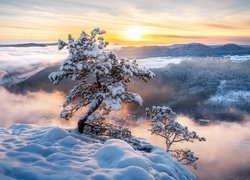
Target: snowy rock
[(19, 127), (133, 173), (118, 154), (33, 152), (56, 134), (68, 141)]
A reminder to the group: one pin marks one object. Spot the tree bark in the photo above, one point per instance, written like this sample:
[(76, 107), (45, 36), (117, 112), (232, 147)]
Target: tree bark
[(82, 122)]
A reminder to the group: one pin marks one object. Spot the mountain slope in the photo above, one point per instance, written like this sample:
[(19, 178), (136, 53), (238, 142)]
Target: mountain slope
[(192, 49), (230, 49)]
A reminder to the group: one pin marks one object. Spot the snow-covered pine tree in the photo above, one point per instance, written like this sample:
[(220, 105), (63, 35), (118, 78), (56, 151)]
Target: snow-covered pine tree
[(163, 124), (101, 78)]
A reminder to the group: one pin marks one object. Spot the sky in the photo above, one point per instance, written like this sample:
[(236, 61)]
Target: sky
[(127, 22)]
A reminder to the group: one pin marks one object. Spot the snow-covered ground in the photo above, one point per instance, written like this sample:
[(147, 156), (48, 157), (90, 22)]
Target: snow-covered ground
[(238, 58), (15, 79), (159, 62), (227, 96), (230, 97), (34, 152)]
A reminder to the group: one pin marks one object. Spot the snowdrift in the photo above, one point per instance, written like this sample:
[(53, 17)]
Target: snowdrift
[(34, 152)]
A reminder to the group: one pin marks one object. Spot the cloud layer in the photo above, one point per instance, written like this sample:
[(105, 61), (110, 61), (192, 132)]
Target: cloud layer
[(18, 60)]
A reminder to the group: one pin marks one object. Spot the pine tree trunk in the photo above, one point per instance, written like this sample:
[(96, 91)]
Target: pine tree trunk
[(167, 146), (82, 122)]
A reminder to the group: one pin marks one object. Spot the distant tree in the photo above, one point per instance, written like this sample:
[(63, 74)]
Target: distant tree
[(163, 124), (101, 78)]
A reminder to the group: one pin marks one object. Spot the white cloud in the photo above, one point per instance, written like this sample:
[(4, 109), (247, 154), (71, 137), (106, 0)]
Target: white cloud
[(28, 58)]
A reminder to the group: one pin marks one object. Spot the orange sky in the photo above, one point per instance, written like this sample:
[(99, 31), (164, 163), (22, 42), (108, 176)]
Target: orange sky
[(130, 22)]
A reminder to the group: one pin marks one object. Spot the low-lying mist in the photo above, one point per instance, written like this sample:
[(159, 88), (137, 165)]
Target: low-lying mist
[(31, 108), (225, 154)]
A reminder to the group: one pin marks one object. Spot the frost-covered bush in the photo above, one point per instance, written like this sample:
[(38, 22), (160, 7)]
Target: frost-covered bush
[(101, 78), (104, 128), (163, 124)]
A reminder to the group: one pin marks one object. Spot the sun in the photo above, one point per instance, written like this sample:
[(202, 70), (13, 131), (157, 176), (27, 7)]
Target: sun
[(134, 33)]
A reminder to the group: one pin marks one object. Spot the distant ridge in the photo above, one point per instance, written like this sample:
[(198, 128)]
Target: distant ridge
[(28, 45), (192, 49), (231, 46)]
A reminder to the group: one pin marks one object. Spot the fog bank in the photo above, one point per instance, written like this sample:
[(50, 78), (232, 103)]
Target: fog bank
[(225, 154)]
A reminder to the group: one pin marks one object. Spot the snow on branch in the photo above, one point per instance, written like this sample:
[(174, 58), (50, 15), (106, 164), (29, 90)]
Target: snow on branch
[(163, 124), (101, 78)]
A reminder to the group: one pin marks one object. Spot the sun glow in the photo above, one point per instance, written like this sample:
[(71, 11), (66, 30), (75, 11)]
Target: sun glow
[(134, 33)]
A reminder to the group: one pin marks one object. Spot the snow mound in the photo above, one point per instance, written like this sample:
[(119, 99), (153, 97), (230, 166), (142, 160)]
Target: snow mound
[(33, 152), (56, 134)]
